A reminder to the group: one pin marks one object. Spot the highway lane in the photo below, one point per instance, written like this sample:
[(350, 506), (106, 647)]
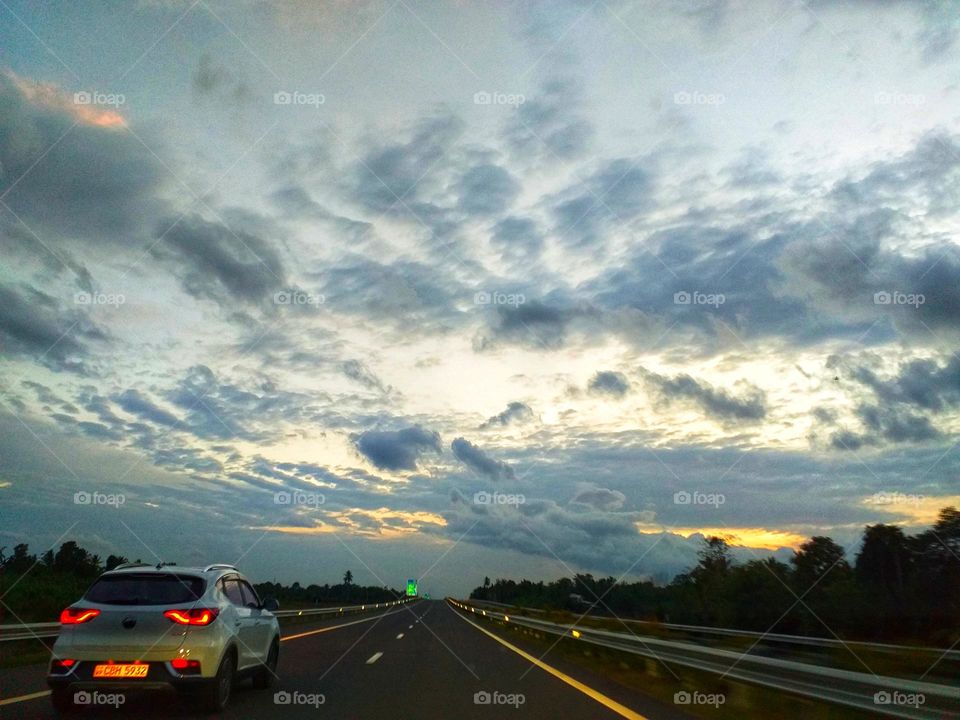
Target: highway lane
[(420, 661)]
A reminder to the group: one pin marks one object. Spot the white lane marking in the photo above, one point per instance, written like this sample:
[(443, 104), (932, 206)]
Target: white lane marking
[(410, 628), (337, 627), (23, 698), (399, 636), (374, 658)]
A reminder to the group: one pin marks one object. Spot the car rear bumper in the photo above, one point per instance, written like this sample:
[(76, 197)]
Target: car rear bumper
[(159, 676)]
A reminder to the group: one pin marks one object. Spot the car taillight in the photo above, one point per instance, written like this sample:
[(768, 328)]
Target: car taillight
[(185, 667), (193, 616), (75, 616), (61, 665)]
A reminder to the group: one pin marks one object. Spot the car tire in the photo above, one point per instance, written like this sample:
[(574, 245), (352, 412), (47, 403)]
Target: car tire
[(217, 694), (266, 676)]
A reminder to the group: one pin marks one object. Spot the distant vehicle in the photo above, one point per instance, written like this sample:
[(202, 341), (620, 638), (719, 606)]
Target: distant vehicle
[(197, 630)]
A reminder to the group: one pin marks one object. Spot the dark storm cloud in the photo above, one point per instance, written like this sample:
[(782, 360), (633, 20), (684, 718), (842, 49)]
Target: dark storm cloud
[(479, 461), (413, 296), (518, 239), (391, 176), (532, 324), (609, 382), (136, 403), (548, 126), (219, 262), (924, 382), (486, 190), (610, 197), (296, 203), (211, 79), (516, 412), (36, 325), (928, 171), (748, 406), (358, 372), (397, 449), (98, 184)]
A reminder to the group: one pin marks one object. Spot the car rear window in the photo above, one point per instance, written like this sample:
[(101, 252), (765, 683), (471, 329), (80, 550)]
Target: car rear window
[(146, 589)]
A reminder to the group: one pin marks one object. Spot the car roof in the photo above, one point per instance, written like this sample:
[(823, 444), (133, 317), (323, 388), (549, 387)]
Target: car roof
[(215, 570)]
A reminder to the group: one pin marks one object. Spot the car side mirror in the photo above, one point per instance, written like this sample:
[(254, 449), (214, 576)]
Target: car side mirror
[(271, 604)]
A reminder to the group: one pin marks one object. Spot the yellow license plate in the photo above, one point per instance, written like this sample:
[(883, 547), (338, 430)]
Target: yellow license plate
[(121, 670)]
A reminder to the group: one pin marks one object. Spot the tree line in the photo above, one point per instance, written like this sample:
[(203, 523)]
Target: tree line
[(899, 587), (36, 588)]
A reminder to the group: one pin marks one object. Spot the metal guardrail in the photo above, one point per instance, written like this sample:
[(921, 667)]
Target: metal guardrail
[(779, 638), (873, 693), (34, 631)]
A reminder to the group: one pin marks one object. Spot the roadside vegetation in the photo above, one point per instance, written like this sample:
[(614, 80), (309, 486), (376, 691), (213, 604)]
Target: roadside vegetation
[(36, 588), (900, 588)]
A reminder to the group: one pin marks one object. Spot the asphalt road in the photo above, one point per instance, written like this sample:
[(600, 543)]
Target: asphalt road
[(420, 661)]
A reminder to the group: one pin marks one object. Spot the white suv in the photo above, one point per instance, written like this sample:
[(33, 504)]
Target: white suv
[(140, 626)]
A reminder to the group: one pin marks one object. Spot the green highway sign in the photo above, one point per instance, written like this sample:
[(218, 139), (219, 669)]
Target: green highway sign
[(411, 588)]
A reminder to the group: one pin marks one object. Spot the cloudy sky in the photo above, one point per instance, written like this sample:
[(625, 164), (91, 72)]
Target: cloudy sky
[(291, 283)]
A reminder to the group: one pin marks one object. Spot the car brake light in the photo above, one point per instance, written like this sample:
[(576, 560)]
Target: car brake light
[(75, 616), (62, 664), (185, 666), (193, 616)]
